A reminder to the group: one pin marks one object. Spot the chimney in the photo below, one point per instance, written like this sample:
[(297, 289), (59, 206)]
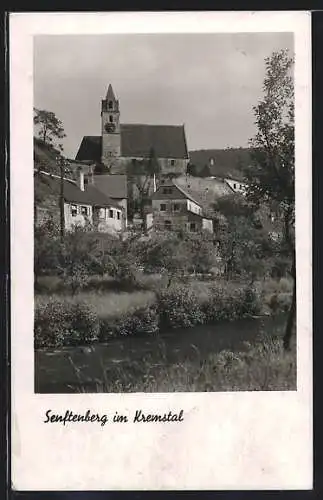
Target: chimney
[(81, 180)]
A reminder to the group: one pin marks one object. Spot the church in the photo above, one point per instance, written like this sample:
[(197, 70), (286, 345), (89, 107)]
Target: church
[(121, 144)]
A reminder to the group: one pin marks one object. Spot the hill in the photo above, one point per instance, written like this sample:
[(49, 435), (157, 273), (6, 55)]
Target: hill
[(228, 163)]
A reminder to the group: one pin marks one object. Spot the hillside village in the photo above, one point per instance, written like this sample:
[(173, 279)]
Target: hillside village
[(154, 264), (135, 176)]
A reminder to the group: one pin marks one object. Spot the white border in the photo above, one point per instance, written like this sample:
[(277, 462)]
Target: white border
[(227, 440)]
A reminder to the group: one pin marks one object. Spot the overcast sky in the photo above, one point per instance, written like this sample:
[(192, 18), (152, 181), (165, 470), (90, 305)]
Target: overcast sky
[(209, 82)]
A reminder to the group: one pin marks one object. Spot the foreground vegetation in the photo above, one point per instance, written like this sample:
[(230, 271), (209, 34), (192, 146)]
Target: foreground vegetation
[(259, 365)]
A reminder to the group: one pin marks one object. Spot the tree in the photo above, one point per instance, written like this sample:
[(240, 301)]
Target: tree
[(50, 128), (205, 172), (244, 245), (142, 174), (271, 175), (191, 170)]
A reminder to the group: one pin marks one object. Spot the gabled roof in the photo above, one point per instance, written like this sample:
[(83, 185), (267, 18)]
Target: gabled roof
[(72, 194), (168, 141), (114, 186), (158, 194)]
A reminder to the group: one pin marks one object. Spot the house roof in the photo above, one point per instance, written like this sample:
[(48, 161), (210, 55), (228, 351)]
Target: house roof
[(114, 186), (195, 196), (186, 193), (137, 140), (72, 194)]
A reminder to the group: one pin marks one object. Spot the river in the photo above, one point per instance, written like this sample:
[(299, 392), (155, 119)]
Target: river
[(54, 372)]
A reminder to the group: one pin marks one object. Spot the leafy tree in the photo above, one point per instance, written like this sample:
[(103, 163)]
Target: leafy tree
[(141, 175), (50, 128), (205, 172), (271, 175), (244, 245), (191, 170)]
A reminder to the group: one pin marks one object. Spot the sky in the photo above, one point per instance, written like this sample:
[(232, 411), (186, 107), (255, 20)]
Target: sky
[(208, 82)]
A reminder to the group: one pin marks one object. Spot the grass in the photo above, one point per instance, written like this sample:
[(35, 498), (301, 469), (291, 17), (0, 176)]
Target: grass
[(105, 304), (263, 366)]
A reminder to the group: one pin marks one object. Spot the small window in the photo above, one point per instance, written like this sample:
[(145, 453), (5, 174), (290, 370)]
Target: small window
[(172, 162), (110, 118), (163, 207), (176, 207), (110, 105), (84, 211), (111, 213), (168, 224), (74, 210), (234, 186), (118, 215), (192, 226)]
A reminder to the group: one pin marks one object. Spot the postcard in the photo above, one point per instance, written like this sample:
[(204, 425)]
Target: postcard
[(160, 177)]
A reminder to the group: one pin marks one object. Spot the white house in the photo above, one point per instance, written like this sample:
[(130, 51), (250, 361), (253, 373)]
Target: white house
[(83, 203)]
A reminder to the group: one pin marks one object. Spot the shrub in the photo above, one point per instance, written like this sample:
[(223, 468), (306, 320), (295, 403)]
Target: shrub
[(76, 277), (143, 321), (59, 323), (178, 306), (226, 303)]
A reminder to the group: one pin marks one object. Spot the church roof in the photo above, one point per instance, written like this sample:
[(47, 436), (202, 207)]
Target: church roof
[(168, 141)]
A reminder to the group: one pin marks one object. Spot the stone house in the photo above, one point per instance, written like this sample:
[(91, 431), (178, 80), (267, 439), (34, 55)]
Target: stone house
[(175, 208), (83, 203), (122, 144)]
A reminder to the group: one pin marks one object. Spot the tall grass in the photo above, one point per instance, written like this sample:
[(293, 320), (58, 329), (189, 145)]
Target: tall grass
[(263, 366), (105, 304)]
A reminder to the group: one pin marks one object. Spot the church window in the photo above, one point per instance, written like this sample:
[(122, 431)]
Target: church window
[(110, 104), (163, 207), (111, 118), (111, 213)]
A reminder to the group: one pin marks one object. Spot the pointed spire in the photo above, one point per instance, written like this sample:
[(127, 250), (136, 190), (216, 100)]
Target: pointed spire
[(110, 94)]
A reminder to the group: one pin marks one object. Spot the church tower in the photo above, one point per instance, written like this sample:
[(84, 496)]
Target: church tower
[(110, 129)]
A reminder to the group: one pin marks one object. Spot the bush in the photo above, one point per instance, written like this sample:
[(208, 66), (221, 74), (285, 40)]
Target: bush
[(76, 277), (178, 306), (226, 303), (59, 323), (143, 321)]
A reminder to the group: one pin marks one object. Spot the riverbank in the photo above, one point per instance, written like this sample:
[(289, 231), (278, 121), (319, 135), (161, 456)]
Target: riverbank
[(239, 355)]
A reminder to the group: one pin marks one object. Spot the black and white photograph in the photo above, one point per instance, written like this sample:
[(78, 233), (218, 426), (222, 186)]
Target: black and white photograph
[(164, 213), (160, 177)]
